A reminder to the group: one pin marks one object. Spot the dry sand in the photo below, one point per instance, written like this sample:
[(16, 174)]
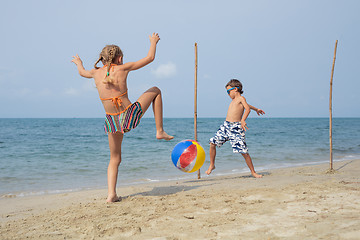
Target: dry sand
[(291, 203)]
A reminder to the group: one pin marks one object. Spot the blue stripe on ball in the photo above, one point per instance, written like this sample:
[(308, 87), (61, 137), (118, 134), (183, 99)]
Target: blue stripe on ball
[(178, 150)]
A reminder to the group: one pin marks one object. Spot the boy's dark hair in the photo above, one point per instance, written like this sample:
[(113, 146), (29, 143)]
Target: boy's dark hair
[(235, 83)]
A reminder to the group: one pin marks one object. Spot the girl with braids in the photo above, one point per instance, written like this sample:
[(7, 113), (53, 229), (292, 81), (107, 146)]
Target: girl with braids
[(121, 114)]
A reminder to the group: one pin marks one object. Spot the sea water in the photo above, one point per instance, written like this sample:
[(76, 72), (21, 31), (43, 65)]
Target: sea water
[(42, 156)]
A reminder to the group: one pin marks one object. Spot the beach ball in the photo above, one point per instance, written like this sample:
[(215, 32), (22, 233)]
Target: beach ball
[(188, 156)]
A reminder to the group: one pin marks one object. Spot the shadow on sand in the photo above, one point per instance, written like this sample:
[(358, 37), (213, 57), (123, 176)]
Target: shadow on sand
[(197, 183)]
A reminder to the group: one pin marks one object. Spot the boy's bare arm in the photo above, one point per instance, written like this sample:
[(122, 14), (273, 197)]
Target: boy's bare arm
[(246, 113), (257, 110), (84, 73), (247, 108)]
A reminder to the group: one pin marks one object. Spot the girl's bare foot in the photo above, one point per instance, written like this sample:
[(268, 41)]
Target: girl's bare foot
[(256, 175), (113, 199), (211, 168), (163, 135)]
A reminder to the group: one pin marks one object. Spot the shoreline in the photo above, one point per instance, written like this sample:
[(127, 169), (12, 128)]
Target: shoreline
[(184, 177), (295, 202)]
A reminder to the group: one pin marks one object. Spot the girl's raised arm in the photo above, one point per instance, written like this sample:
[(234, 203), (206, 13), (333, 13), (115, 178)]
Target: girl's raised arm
[(130, 66), (84, 73)]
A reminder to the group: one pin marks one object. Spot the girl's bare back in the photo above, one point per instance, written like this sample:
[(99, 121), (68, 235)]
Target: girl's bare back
[(117, 88)]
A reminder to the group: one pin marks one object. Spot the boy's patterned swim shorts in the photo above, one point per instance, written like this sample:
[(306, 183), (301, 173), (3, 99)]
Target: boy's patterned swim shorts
[(231, 131)]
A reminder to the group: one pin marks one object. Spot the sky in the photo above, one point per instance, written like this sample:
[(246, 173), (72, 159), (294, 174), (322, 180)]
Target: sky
[(282, 51)]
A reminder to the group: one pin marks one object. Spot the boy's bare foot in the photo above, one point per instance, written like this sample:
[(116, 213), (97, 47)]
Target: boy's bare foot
[(211, 168), (256, 175), (163, 135), (113, 199)]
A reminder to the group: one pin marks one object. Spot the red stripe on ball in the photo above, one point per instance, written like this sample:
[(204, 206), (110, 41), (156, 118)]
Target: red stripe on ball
[(188, 156)]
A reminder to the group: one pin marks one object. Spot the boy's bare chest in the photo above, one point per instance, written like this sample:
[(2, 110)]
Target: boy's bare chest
[(235, 110)]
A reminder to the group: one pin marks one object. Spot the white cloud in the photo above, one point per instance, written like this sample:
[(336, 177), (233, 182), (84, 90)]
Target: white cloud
[(45, 92), (207, 76), (24, 91), (88, 86), (165, 70), (71, 91)]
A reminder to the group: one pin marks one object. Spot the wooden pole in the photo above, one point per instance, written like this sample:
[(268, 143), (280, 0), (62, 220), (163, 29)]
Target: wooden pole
[(330, 109), (195, 102)]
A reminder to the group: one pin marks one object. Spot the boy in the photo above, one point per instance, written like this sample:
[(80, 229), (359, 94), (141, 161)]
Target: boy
[(233, 129)]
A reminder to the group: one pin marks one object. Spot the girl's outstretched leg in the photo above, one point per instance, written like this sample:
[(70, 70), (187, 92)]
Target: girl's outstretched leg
[(153, 95), (115, 140)]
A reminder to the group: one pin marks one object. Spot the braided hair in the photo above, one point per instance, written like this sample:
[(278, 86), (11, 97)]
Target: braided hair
[(107, 56)]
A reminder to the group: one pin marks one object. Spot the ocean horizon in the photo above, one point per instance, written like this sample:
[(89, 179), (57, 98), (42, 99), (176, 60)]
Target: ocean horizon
[(54, 155)]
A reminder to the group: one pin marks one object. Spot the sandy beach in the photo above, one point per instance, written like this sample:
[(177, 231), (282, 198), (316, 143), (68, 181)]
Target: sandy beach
[(291, 203)]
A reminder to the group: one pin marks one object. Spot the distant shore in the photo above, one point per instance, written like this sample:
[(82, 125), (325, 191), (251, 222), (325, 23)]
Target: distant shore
[(295, 203)]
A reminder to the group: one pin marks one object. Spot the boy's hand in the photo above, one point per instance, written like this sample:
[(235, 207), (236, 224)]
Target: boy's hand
[(76, 59), (260, 112), (154, 38), (243, 125)]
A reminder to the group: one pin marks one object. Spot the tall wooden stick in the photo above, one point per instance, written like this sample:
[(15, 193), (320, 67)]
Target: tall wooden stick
[(195, 102), (330, 108)]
